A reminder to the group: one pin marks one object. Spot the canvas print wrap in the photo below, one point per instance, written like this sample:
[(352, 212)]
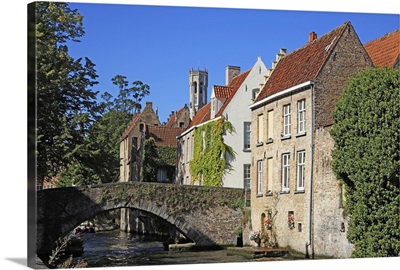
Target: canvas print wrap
[(165, 135)]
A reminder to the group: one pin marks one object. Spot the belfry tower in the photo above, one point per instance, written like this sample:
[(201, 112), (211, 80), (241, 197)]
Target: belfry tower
[(198, 83)]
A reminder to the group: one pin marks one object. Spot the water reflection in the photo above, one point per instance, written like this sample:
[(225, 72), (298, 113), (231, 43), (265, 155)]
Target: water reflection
[(118, 248)]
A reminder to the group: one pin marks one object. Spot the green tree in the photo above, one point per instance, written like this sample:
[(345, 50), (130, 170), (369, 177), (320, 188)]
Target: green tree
[(366, 158), (98, 160), (129, 98), (66, 106)]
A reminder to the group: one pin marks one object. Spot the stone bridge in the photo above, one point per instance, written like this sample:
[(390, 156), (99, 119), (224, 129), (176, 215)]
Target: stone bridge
[(206, 215)]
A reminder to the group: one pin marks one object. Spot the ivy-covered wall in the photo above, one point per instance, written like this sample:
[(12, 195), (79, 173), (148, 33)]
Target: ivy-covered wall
[(210, 153), (157, 157)]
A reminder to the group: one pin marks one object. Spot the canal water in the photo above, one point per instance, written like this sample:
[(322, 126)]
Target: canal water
[(116, 248)]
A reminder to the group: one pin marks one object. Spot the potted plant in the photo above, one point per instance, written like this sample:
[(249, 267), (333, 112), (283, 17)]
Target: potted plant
[(257, 236)]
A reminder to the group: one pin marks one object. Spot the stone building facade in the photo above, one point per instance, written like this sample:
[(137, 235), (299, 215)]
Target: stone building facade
[(143, 126), (198, 84), (293, 184), (131, 142)]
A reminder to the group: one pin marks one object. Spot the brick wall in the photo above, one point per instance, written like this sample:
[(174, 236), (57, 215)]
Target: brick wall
[(347, 58)]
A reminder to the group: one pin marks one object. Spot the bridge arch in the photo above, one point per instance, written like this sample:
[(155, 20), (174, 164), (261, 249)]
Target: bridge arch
[(207, 215)]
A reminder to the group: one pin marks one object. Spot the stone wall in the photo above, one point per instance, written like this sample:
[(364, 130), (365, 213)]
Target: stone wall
[(330, 226), (270, 149)]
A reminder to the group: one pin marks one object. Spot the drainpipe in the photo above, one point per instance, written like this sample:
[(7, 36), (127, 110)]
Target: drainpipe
[(310, 240)]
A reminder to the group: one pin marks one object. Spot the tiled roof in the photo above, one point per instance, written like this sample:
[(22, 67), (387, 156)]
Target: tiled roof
[(222, 91), (164, 136), (385, 50), (131, 127), (301, 65), (201, 116), (234, 85), (173, 117)]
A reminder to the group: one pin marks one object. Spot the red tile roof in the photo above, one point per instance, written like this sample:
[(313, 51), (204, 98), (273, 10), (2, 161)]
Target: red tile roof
[(173, 117), (131, 127), (385, 50), (222, 91), (301, 65), (201, 116), (164, 136), (234, 85)]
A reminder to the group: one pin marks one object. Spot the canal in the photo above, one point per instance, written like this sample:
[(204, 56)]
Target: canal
[(116, 248)]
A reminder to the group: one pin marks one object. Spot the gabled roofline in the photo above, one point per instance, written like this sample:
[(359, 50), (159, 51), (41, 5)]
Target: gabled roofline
[(199, 125), (280, 93)]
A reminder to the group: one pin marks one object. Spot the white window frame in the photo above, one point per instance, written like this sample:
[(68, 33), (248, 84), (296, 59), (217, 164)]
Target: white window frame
[(161, 175), (270, 125), (301, 164), (260, 128), (259, 176), (246, 176), (286, 120), (285, 172), (301, 116), (246, 135)]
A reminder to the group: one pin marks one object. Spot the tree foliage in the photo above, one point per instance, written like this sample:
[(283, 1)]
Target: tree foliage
[(211, 154), (366, 157), (66, 105), (77, 136)]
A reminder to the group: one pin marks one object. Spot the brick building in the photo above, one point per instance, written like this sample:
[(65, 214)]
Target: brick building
[(292, 179)]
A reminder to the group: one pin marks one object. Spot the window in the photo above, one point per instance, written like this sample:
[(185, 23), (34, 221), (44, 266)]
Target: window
[(269, 176), (285, 172), (259, 177), (246, 183), (254, 93), (213, 105), (246, 176), (161, 175), (301, 160), (260, 127), (246, 135), (270, 128), (286, 120), (301, 118), (181, 124), (203, 137)]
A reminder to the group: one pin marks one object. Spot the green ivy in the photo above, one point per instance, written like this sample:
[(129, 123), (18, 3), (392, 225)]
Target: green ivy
[(210, 154), (366, 158), (156, 157)]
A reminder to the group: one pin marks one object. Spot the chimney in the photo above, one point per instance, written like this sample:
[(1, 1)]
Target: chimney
[(149, 104), (231, 72), (312, 36)]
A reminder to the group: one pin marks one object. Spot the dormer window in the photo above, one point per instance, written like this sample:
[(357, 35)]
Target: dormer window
[(254, 93)]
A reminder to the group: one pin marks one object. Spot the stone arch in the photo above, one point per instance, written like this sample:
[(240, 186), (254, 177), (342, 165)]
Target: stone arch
[(59, 211)]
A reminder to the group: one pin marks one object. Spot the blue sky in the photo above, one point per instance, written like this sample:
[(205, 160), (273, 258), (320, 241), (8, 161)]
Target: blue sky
[(159, 44)]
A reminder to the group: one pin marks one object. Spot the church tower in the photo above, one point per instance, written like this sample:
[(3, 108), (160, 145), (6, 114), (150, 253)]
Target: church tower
[(198, 83)]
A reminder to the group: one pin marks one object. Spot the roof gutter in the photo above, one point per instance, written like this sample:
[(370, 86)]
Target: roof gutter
[(280, 93), (199, 125)]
